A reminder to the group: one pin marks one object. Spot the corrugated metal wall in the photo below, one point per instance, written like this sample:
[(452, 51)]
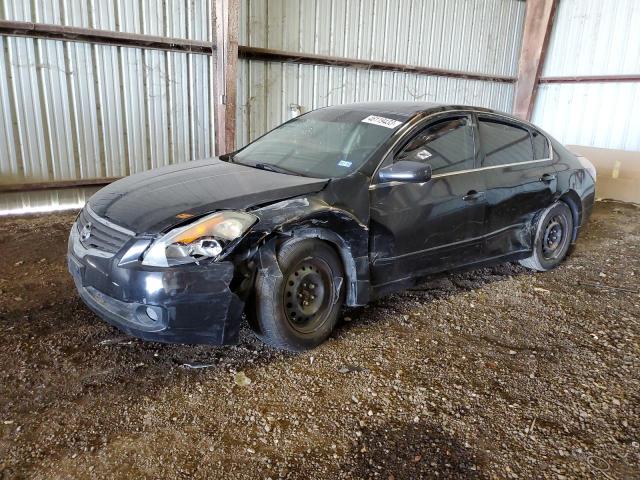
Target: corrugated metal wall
[(481, 36), (593, 37), (471, 35), (77, 110), (267, 89)]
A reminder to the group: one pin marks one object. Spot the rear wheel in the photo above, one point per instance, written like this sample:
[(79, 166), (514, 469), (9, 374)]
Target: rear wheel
[(553, 237), (298, 310)]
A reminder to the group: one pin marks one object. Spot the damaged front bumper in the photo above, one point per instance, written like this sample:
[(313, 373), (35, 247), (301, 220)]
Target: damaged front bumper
[(185, 304)]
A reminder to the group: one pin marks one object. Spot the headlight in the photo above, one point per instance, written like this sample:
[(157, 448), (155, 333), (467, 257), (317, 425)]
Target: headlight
[(204, 238)]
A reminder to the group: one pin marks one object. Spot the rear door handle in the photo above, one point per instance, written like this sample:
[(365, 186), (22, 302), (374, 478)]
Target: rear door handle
[(472, 195), (548, 177)]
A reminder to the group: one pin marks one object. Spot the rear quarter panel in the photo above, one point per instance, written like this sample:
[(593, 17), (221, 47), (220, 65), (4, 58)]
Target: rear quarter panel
[(574, 182)]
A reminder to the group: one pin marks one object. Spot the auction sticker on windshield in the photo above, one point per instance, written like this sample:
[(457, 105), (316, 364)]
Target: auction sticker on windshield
[(382, 121)]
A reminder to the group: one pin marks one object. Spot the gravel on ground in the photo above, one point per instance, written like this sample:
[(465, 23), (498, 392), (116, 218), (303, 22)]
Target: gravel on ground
[(492, 373)]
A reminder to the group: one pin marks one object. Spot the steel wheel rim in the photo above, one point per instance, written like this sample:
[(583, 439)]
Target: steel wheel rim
[(555, 237), (308, 295)]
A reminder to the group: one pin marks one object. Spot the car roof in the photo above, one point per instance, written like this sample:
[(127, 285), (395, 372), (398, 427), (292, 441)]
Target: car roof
[(408, 109)]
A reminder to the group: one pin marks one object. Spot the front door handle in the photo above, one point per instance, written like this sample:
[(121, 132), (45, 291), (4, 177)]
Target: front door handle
[(548, 177), (472, 195)]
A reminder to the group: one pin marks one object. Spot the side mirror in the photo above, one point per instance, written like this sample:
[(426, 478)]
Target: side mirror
[(405, 171)]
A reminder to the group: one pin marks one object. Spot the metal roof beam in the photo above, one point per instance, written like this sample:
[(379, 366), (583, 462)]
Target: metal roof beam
[(103, 37)]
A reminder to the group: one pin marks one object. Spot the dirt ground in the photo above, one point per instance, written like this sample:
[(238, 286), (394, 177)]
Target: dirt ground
[(493, 373)]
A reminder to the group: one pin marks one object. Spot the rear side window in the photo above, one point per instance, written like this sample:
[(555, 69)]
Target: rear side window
[(540, 146), (504, 144), (447, 146)]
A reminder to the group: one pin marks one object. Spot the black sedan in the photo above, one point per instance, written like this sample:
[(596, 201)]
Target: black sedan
[(336, 207)]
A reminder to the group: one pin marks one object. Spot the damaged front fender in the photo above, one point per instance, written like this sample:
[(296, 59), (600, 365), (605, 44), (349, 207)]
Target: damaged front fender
[(311, 218)]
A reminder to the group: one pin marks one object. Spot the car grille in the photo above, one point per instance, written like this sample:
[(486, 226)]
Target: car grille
[(102, 234)]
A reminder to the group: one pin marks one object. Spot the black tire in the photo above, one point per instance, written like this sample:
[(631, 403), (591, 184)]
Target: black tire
[(554, 232), (299, 310)]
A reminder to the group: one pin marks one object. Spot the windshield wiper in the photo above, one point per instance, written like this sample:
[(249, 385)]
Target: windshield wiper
[(274, 168)]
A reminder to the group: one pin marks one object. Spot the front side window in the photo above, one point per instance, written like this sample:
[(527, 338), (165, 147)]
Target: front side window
[(325, 143), (447, 146), (504, 144)]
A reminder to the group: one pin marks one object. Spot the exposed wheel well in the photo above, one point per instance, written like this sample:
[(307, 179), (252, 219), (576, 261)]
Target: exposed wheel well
[(344, 255)]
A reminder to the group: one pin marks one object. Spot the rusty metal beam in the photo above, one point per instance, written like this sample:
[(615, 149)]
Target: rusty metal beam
[(270, 55), (538, 23), (103, 37), (592, 79), (56, 185)]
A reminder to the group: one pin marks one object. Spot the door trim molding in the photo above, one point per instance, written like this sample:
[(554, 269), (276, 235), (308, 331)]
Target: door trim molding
[(382, 261)]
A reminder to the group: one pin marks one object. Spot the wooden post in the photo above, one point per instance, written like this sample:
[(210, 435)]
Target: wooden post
[(537, 31), (218, 80), (225, 57), (231, 73)]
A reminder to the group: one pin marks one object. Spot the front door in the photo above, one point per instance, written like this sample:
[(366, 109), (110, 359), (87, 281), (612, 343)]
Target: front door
[(421, 228)]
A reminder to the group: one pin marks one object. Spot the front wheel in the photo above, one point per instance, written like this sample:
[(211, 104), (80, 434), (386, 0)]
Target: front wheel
[(553, 237), (298, 310)]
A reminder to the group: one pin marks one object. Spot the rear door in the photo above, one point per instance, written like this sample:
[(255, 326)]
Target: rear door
[(425, 227), (520, 181)]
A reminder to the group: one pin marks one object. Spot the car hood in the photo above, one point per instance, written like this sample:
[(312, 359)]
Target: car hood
[(155, 200)]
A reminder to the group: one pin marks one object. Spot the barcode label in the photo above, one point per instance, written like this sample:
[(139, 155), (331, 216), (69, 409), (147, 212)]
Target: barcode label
[(382, 121)]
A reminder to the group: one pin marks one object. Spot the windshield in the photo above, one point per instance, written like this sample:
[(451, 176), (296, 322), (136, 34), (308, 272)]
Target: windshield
[(324, 143)]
